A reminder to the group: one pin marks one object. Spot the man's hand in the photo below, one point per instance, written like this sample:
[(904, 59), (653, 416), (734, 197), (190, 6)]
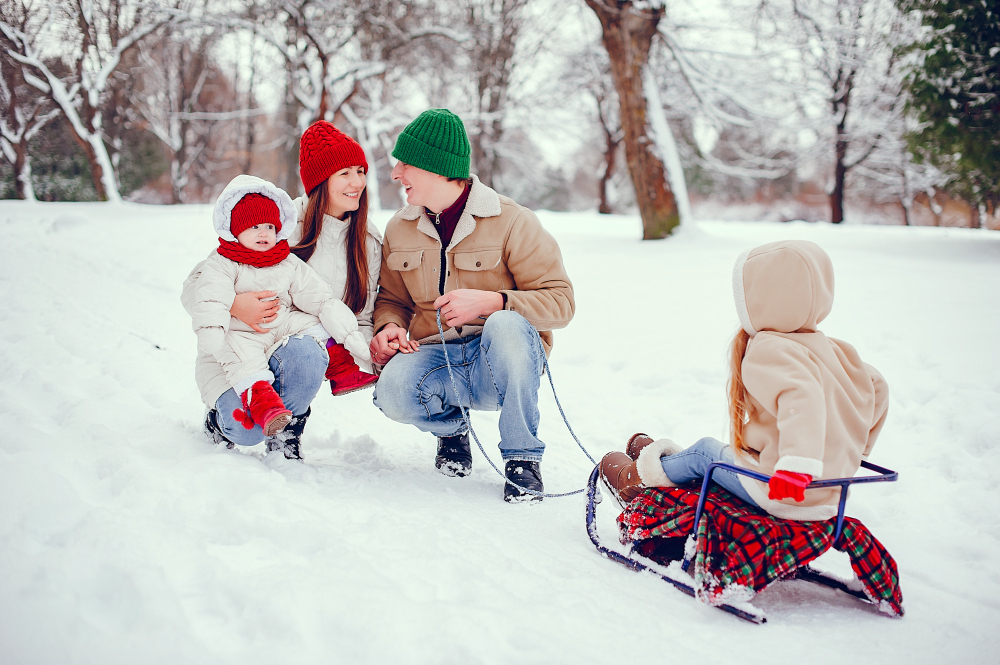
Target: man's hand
[(461, 306), (390, 340), (256, 307)]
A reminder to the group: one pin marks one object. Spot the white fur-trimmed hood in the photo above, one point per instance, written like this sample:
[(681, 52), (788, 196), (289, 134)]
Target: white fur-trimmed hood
[(239, 187)]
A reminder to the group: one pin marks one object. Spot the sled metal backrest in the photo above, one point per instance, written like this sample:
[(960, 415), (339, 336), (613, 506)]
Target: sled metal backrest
[(885, 475)]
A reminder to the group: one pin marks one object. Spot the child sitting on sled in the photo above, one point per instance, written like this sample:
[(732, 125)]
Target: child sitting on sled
[(803, 406), (254, 219)]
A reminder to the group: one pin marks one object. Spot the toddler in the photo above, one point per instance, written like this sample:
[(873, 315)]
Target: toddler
[(254, 219)]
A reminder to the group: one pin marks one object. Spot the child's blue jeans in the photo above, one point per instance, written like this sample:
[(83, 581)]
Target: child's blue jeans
[(692, 464)]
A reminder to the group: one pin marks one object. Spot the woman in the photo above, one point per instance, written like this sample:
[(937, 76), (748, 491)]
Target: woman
[(336, 239)]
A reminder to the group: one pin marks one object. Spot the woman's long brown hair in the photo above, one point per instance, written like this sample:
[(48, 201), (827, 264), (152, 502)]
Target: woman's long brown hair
[(356, 289), (739, 400)]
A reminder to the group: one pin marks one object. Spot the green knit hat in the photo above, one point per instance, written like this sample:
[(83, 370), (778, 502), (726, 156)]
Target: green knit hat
[(436, 141)]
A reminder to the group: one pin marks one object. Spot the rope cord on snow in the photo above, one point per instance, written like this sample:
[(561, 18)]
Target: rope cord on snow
[(468, 421)]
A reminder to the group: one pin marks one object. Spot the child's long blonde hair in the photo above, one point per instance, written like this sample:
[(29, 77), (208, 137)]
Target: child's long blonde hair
[(739, 400)]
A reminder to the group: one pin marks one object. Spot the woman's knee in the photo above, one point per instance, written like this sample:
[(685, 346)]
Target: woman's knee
[(300, 360)]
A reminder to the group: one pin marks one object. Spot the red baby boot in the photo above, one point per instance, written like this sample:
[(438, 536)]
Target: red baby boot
[(344, 374), (263, 406)]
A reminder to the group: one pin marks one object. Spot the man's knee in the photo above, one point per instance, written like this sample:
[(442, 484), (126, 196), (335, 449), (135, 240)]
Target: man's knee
[(510, 333), (507, 325), (395, 395)]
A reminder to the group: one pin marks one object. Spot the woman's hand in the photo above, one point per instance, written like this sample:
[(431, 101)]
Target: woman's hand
[(388, 342), (254, 308)]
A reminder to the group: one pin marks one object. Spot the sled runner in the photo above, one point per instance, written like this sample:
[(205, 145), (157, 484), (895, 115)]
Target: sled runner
[(722, 551)]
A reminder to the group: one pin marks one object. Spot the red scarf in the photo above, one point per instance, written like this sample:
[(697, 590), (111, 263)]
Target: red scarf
[(234, 251)]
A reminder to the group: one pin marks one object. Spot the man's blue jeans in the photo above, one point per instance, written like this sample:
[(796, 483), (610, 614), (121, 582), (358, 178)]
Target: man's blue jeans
[(500, 370), (692, 464), (299, 368)]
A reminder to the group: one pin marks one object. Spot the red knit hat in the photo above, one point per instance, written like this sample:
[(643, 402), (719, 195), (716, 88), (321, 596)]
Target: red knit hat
[(251, 210), (324, 150)]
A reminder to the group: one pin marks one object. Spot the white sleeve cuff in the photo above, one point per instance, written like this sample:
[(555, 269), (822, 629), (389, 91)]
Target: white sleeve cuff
[(813, 467), (319, 333)]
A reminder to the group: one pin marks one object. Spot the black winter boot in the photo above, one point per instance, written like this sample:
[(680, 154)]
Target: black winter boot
[(454, 456), (525, 474), (213, 430), (289, 440)]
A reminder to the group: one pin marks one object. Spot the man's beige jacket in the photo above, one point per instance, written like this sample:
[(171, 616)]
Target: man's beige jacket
[(497, 246)]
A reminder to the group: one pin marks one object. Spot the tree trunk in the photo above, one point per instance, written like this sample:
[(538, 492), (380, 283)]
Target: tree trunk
[(839, 175), (611, 142), (96, 172), (291, 152), (627, 35), (23, 188)]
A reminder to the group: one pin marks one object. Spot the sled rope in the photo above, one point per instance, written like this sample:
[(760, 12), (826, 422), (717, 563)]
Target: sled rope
[(468, 421)]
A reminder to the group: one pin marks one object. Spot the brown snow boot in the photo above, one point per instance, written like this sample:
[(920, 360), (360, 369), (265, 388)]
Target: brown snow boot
[(636, 444), (619, 473)]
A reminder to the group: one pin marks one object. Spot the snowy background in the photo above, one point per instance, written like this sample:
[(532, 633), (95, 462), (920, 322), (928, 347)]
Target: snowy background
[(125, 537)]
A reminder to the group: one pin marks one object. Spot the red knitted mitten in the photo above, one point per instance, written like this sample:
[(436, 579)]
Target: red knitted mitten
[(784, 484)]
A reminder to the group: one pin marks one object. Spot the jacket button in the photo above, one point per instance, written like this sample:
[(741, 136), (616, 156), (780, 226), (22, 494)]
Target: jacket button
[(478, 264), (406, 263)]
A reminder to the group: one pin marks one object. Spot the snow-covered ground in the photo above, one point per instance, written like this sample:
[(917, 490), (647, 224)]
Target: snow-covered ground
[(125, 537)]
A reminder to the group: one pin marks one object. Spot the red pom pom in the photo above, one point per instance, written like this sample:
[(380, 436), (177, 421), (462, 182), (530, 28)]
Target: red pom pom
[(243, 418)]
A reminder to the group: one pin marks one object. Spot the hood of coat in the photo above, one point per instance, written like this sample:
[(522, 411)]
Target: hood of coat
[(784, 286), (239, 187)]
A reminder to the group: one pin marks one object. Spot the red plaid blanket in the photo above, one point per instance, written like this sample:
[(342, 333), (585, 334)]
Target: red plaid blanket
[(740, 550)]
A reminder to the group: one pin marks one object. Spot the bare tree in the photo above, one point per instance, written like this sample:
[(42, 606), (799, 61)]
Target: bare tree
[(628, 30), (848, 62), (171, 100), (25, 111), (494, 26), (328, 53), (91, 38)]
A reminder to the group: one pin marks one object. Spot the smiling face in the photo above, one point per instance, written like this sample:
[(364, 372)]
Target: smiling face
[(424, 188), (344, 189), (259, 238)]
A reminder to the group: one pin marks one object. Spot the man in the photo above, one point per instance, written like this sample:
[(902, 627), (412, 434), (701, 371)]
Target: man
[(498, 279)]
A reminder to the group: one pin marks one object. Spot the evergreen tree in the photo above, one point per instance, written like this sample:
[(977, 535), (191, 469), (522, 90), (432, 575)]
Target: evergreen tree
[(954, 86)]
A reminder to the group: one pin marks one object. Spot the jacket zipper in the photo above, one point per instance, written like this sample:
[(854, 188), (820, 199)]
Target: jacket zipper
[(444, 255)]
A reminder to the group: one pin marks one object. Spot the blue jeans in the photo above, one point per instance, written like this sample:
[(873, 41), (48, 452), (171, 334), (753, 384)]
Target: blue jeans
[(692, 464), (500, 370), (299, 368)]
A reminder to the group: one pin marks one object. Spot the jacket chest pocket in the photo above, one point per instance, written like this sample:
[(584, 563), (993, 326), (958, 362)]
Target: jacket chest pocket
[(415, 270), (481, 270)]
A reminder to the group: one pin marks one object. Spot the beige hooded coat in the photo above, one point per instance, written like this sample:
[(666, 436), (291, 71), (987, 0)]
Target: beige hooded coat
[(816, 408)]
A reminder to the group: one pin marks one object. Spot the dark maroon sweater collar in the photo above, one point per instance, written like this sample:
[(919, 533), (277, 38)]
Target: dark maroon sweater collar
[(447, 220)]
